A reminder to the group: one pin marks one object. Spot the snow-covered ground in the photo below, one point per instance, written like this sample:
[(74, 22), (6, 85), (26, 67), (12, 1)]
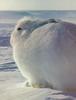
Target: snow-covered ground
[(12, 85), (12, 88)]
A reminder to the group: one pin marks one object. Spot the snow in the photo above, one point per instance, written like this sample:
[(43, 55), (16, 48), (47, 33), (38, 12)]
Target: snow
[(12, 88)]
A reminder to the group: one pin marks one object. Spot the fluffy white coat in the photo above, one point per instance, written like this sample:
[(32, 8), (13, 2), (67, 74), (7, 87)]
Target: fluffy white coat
[(45, 52)]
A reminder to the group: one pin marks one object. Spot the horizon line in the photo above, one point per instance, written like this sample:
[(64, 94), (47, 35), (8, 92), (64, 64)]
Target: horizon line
[(41, 10)]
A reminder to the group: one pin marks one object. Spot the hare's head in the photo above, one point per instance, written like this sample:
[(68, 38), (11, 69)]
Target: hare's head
[(26, 26), (23, 29)]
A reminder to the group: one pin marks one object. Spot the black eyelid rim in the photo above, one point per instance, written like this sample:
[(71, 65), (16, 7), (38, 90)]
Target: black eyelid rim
[(19, 28)]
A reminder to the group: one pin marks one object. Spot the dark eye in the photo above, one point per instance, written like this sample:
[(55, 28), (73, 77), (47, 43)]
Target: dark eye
[(19, 28)]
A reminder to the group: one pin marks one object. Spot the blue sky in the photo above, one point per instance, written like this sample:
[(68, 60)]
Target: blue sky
[(37, 4)]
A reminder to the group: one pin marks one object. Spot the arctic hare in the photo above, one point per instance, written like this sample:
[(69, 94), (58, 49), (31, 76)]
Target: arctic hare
[(45, 53)]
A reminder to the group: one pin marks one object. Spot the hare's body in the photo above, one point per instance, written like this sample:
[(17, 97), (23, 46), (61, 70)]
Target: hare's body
[(46, 55)]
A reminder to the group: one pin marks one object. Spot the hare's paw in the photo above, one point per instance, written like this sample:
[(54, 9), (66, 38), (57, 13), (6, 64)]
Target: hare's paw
[(41, 85), (36, 85), (27, 84)]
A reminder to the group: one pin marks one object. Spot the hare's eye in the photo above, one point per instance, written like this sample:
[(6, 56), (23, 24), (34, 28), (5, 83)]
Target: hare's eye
[(19, 28)]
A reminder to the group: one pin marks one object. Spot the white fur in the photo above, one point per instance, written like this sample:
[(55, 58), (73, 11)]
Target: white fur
[(46, 54)]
